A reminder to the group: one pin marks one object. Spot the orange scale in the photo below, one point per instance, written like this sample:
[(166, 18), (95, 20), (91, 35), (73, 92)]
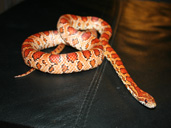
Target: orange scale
[(86, 35), (72, 57), (37, 55), (46, 33), (27, 51), (87, 54), (64, 21), (37, 35)]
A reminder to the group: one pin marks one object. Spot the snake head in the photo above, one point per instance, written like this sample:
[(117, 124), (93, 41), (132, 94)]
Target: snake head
[(147, 100)]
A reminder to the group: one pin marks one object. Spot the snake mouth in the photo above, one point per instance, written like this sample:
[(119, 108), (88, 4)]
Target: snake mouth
[(152, 105)]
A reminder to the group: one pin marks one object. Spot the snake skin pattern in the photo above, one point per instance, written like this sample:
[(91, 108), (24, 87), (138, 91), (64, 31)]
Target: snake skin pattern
[(78, 32)]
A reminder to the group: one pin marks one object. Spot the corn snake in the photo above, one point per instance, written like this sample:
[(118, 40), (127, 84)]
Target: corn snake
[(78, 32)]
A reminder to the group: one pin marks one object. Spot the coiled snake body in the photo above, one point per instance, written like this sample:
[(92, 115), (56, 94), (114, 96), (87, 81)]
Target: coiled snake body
[(90, 55)]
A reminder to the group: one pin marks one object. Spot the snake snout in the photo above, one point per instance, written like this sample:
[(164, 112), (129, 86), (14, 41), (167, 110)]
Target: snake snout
[(150, 103)]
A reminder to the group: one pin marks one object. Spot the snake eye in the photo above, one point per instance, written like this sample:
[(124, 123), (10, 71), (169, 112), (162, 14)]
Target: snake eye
[(146, 101)]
